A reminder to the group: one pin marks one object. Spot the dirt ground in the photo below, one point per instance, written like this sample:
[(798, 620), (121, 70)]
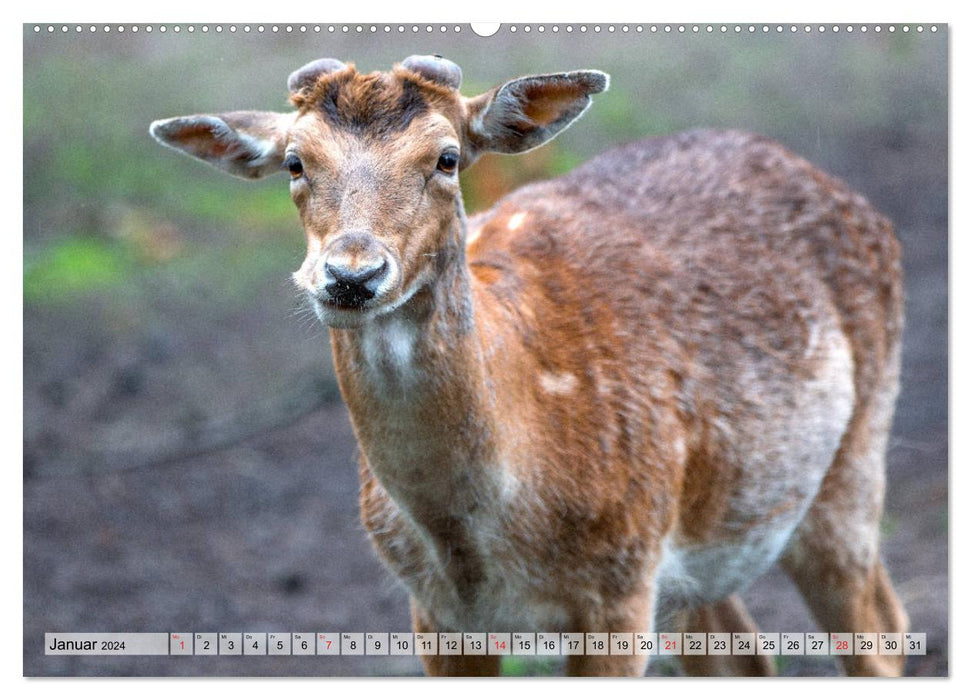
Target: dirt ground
[(193, 470)]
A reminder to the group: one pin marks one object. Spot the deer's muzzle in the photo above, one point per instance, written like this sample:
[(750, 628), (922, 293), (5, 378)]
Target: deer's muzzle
[(355, 267)]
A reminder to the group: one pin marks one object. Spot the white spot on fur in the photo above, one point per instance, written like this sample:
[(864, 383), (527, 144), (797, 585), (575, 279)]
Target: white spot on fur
[(812, 341), (516, 220), (473, 235), (508, 485), (561, 383), (679, 448)]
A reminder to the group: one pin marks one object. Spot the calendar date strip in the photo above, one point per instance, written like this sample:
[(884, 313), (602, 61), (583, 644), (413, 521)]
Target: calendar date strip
[(483, 643)]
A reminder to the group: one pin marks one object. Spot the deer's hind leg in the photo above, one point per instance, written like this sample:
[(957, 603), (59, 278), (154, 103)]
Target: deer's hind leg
[(727, 615), (834, 555)]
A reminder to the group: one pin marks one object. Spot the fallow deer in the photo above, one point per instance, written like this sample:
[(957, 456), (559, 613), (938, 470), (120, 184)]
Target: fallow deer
[(617, 397)]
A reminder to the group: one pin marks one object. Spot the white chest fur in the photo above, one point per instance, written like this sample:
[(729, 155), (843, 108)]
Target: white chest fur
[(388, 346)]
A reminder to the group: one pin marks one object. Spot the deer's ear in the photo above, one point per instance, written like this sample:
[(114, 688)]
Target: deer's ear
[(527, 112), (245, 144)]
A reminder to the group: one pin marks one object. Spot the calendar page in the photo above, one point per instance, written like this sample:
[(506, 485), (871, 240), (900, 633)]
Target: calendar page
[(472, 349)]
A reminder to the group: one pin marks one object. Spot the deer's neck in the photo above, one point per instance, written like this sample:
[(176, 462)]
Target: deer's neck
[(420, 393)]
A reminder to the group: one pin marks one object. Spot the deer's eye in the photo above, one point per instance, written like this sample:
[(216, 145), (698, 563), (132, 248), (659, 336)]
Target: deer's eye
[(294, 166), (448, 162)]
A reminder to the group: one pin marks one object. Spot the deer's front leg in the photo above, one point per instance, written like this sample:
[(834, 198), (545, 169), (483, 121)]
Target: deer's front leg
[(633, 614), (438, 665)]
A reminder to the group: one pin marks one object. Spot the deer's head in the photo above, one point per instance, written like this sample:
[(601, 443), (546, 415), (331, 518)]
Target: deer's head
[(373, 161)]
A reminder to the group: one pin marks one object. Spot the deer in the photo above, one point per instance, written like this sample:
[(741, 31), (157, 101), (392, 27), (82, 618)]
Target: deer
[(614, 399)]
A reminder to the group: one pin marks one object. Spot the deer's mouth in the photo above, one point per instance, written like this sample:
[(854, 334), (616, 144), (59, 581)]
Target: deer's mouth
[(347, 307), (342, 295)]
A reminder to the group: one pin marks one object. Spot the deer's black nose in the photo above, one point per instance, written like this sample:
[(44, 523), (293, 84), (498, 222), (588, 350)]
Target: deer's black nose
[(360, 275)]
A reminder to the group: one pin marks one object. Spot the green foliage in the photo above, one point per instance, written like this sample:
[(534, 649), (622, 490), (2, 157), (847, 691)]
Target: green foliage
[(74, 267), (530, 666), (223, 272)]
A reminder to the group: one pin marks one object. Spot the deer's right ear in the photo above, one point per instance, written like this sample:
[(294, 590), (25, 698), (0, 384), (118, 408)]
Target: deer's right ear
[(246, 144)]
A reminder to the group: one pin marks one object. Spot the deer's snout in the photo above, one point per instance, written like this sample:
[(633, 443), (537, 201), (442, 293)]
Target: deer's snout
[(355, 276), (355, 267)]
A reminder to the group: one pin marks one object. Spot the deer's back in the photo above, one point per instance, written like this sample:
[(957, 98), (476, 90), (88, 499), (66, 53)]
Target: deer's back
[(713, 237)]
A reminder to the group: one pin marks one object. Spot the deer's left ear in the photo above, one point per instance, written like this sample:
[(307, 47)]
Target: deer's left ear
[(245, 144), (527, 112)]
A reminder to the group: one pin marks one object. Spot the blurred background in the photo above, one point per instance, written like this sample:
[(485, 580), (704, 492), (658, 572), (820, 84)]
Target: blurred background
[(188, 463)]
